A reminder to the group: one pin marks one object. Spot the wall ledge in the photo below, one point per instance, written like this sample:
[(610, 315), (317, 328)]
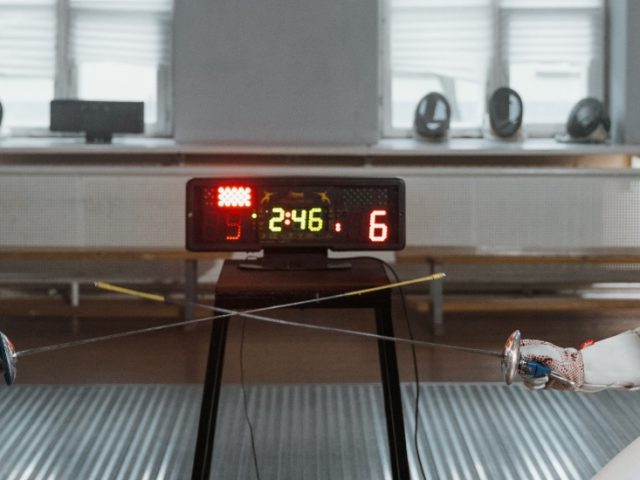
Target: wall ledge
[(406, 147)]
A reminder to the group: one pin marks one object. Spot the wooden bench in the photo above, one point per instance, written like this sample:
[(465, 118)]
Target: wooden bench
[(439, 258), (135, 254)]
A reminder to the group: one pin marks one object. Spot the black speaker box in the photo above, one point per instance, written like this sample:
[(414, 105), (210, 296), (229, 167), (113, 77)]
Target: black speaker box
[(98, 119)]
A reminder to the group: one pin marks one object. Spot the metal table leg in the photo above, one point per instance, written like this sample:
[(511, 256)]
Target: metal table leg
[(190, 287), (436, 302), (210, 397)]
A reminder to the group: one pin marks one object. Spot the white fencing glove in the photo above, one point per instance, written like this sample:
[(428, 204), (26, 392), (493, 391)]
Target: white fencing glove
[(566, 362), (610, 363)]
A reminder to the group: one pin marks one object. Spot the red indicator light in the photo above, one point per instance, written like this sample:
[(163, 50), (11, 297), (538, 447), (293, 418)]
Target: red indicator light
[(378, 230), (338, 227), (234, 197)]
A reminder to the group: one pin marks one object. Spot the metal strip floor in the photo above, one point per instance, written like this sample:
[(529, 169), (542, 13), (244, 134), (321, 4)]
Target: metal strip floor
[(469, 431)]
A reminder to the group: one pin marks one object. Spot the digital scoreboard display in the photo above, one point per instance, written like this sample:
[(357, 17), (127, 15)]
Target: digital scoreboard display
[(248, 214)]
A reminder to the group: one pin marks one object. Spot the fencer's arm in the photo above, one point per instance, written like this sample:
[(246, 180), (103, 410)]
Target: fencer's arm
[(613, 362)]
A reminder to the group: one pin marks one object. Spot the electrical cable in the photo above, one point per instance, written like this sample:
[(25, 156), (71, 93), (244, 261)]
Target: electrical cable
[(416, 405), (245, 403)]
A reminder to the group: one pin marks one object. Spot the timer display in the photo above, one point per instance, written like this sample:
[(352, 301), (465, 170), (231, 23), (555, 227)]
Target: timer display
[(246, 214), (302, 219)]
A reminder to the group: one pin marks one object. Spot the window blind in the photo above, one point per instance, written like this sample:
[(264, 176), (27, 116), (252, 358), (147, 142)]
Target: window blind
[(27, 38), (559, 31), (122, 31), (451, 38)]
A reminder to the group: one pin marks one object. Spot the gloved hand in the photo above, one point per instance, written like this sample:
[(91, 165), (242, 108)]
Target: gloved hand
[(566, 362)]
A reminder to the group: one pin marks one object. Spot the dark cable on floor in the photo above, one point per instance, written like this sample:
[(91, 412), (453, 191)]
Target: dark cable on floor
[(416, 406), (245, 403)]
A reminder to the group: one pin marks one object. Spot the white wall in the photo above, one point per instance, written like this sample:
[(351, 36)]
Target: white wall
[(276, 72), (624, 70)]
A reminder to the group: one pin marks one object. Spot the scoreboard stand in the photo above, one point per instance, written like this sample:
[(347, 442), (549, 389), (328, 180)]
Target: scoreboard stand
[(306, 259), (295, 221)]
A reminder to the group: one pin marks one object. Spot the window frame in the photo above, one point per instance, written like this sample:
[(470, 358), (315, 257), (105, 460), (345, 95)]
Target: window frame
[(65, 80), (497, 75)]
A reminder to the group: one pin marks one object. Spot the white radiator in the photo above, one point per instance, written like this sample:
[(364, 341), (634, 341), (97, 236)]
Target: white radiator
[(479, 207)]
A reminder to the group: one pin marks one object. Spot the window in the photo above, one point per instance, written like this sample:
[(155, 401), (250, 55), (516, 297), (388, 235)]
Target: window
[(550, 51), (27, 60), (87, 49), (552, 55), (442, 46)]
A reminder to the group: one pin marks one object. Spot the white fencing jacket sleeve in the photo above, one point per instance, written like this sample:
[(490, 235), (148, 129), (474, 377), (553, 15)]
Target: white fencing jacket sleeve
[(613, 363)]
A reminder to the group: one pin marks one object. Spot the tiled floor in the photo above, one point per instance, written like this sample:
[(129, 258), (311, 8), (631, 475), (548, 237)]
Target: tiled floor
[(289, 357)]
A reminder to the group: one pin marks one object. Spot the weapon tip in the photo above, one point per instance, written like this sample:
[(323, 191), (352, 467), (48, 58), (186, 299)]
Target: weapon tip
[(8, 359)]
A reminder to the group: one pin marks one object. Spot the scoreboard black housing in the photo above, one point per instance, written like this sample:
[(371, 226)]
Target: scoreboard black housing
[(255, 213)]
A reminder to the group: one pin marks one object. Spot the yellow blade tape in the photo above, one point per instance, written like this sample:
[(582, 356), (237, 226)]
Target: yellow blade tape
[(128, 291), (160, 298), (428, 278)]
